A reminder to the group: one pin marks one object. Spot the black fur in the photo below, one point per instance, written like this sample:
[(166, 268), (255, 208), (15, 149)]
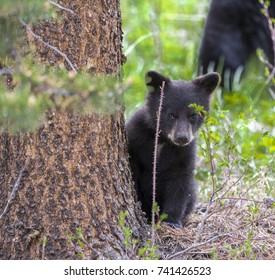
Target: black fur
[(175, 192), (233, 31)]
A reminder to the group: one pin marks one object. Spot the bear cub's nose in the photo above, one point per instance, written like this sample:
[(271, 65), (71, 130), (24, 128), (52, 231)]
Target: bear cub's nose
[(182, 140)]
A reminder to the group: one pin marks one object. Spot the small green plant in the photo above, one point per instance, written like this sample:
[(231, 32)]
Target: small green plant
[(80, 243), (243, 251), (198, 109), (129, 242), (77, 240), (248, 247), (213, 254), (147, 252), (44, 242), (234, 163), (158, 218)]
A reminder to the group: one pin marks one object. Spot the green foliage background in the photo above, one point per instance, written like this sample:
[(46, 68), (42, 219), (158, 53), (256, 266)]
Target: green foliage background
[(165, 36)]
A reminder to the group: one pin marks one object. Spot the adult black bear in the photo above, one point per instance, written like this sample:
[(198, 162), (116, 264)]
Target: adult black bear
[(233, 31), (175, 191)]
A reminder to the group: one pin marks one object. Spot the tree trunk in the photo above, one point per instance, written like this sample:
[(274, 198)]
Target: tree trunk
[(91, 37), (72, 175)]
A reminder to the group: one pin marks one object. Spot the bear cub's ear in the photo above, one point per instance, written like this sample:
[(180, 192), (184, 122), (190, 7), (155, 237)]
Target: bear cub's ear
[(208, 82), (154, 80)]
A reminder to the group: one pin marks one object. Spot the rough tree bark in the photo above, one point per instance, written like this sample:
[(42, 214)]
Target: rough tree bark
[(91, 37), (72, 173)]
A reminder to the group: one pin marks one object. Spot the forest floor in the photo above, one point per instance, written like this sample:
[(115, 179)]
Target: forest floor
[(238, 229)]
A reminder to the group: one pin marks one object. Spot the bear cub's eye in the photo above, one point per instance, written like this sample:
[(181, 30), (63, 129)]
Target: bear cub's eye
[(172, 116), (193, 117)]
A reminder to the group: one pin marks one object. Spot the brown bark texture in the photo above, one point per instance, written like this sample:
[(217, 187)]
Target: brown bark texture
[(72, 174), (91, 37)]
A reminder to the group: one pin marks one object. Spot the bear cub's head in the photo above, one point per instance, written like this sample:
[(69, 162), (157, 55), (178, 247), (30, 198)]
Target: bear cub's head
[(179, 122)]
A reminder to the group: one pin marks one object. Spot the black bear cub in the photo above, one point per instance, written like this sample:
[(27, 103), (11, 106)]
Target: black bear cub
[(233, 31), (175, 188)]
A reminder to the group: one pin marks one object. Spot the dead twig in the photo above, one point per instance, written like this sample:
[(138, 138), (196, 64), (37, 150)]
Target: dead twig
[(155, 160), (271, 27), (61, 7), (196, 245), (39, 39), (14, 189)]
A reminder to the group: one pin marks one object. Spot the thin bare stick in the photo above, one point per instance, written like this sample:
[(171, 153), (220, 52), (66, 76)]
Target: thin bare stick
[(266, 62), (212, 165), (207, 140), (39, 39), (61, 7), (155, 160), (90, 246), (203, 220), (243, 195), (271, 93), (270, 26), (222, 195), (271, 75), (241, 199), (196, 245), (14, 189)]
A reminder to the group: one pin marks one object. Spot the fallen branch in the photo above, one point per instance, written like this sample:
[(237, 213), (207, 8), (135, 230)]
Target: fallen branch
[(196, 245)]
